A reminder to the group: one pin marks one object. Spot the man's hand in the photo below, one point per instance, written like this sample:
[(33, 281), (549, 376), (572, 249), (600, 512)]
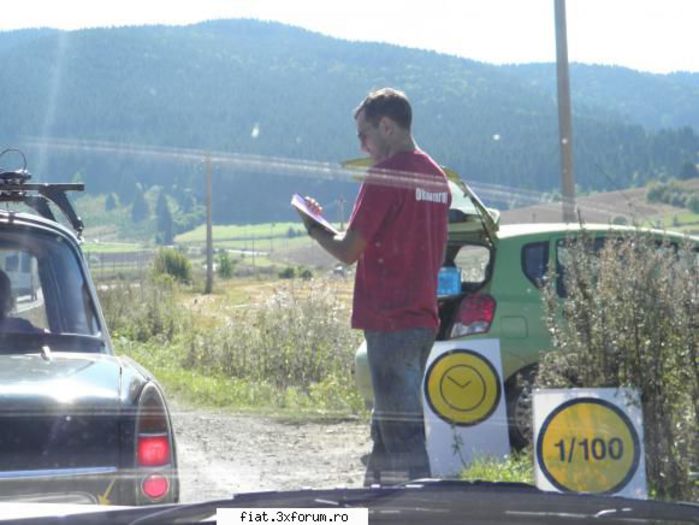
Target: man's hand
[(313, 205), (315, 208)]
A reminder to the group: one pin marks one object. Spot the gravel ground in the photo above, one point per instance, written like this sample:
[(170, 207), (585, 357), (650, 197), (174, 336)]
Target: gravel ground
[(221, 453)]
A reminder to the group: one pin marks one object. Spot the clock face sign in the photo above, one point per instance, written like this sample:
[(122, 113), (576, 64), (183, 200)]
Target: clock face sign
[(462, 387)]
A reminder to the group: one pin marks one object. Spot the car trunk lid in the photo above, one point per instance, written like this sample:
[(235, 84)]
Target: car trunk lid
[(58, 413)]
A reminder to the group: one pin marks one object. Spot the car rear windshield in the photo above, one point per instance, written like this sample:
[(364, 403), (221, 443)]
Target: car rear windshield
[(42, 286)]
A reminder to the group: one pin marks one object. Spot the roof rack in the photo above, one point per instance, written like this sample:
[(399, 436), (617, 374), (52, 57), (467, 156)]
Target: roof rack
[(14, 187)]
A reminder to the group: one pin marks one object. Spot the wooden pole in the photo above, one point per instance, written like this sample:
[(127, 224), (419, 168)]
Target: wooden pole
[(565, 128), (209, 234)]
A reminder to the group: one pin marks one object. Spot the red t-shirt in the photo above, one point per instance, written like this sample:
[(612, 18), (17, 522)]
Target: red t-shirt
[(405, 227)]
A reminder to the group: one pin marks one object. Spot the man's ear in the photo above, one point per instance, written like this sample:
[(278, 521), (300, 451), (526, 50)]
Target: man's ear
[(386, 125)]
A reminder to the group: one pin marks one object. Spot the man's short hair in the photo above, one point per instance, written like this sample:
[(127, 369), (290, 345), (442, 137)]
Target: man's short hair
[(386, 102)]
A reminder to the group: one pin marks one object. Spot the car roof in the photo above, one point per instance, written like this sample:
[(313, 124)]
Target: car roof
[(31, 220), (526, 229)]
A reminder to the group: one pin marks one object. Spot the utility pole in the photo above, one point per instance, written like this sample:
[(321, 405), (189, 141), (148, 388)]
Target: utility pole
[(209, 235), (565, 129)]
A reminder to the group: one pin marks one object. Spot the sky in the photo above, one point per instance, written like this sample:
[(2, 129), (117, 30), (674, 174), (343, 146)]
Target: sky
[(657, 36)]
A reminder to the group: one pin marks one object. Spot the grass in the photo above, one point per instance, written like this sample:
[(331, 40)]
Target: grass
[(112, 247), (241, 232), (685, 221), (517, 468), (275, 346), (275, 244)]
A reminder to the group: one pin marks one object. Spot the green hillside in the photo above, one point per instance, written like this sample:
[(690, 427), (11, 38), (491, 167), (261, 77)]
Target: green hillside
[(267, 90)]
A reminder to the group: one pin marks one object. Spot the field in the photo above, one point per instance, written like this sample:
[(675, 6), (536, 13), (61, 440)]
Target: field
[(629, 205)]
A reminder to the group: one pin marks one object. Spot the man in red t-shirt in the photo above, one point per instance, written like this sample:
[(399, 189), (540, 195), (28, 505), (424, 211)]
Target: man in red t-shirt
[(397, 235)]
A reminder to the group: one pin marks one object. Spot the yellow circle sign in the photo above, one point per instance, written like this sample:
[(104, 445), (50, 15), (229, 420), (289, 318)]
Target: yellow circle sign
[(462, 387), (588, 445)]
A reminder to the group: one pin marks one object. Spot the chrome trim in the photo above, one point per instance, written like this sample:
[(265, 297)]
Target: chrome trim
[(57, 473)]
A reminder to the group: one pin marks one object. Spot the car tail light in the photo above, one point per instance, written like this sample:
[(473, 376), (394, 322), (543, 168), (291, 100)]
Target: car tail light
[(155, 486), (474, 316), (154, 449)]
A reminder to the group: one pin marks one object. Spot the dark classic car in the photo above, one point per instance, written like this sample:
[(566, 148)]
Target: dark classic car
[(77, 422)]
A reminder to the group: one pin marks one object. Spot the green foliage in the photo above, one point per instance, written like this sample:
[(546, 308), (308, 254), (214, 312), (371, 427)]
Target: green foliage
[(674, 194), (165, 233), (299, 338), (293, 352), (226, 265), (517, 468), (139, 209), (693, 203), (630, 320), (110, 202), (689, 171), (143, 311), (169, 261), (288, 273)]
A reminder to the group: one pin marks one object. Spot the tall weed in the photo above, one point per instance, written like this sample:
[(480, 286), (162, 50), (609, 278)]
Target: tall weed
[(144, 309), (300, 337)]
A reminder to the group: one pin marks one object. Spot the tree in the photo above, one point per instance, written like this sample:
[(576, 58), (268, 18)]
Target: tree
[(689, 171), (110, 202), (164, 218), (693, 203), (226, 265), (169, 261), (140, 209)]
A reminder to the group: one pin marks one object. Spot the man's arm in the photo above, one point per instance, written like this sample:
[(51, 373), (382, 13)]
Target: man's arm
[(346, 248)]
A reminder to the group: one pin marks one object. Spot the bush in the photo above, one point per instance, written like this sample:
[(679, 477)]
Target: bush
[(143, 311), (630, 320), (287, 273), (225, 265), (169, 261)]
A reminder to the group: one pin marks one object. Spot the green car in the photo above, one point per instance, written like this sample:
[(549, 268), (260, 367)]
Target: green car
[(499, 272)]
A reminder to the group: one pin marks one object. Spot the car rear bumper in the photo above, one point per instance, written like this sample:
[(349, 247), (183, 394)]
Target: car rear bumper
[(65, 485)]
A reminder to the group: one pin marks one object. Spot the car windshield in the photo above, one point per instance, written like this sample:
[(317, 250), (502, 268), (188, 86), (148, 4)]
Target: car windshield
[(43, 287), (275, 246)]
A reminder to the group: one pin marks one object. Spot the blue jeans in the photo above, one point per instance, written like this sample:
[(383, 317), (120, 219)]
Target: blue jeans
[(397, 364)]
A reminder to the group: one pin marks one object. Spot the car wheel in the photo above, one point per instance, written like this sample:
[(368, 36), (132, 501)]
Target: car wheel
[(519, 408)]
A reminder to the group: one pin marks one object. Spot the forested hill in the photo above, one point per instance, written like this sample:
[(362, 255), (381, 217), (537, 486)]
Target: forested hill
[(272, 90), (655, 101)]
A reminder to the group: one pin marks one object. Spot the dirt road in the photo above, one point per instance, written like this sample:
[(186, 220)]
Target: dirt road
[(222, 453)]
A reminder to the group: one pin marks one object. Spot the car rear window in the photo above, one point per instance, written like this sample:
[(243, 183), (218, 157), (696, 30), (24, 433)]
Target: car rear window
[(44, 287)]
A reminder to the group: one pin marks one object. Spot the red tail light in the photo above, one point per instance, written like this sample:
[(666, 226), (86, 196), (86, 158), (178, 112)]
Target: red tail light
[(474, 316), (154, 446), (153, 451), (155, 486)]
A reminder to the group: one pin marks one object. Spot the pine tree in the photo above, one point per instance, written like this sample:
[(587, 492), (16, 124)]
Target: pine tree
[(110, 202), (164, 218), (139, 210)]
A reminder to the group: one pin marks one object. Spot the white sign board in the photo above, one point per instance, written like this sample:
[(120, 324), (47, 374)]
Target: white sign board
[(464, 405), (589, 440)]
